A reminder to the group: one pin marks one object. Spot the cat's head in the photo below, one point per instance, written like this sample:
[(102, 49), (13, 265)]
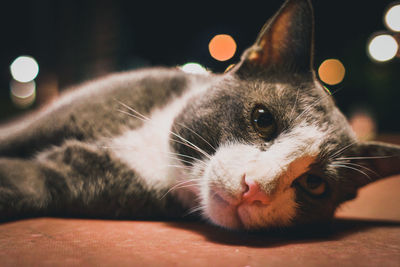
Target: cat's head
[(271, 148)]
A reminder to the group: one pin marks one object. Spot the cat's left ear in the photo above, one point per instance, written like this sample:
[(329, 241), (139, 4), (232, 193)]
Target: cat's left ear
[(285, 43), (373, 161)]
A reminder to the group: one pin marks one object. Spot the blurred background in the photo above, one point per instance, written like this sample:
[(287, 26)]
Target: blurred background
[(49, 45)]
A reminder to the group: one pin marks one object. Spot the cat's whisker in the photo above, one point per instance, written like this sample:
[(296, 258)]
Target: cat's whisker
[(316, 101), (351, 168), (173, 133), (189, 162), (192, 145), (194, 181), (306, 110), (168, 191), (342, 150), (198, 135), (144, 118), (158, 151), (182, 185), (180, 160), (362, 158), (131, 115), (170, 155), (358, 165), (195, 148), (133, 110), (194, 210), (314, 104), (189, 180), (187, 156), (175, 157), (178, 166)]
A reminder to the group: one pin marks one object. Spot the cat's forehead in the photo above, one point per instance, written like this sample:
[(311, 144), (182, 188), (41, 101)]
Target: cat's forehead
[(279, 95), (283, 90)]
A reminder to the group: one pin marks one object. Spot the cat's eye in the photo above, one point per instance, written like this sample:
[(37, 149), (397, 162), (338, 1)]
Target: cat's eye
[(312, 184), (263, 122)]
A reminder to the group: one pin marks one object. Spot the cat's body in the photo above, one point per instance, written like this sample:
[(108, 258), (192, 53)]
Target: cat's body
[(75, 129), (261, 146)]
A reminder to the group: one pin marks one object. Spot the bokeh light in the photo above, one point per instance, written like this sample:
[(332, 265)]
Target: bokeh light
[(392, 18), (331, 71), (222, 47), (23, 94), (364, 125), (24, 69), (382, 47), (194, 68)]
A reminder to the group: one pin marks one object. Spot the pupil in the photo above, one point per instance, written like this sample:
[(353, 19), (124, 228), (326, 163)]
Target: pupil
[(264, 119), (313, 181)]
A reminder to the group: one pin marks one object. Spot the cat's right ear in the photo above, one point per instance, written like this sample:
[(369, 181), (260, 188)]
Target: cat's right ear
[(285, 43)]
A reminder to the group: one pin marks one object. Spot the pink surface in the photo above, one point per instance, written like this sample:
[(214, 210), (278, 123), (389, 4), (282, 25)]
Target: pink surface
[(370, 238)]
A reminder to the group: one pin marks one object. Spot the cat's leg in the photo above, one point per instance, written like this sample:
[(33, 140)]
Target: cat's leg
[(77, 179), (23, 189)]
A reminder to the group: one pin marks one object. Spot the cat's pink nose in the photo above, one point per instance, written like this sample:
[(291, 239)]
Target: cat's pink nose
[(254, 194)]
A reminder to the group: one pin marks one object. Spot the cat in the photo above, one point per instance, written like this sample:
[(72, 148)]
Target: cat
[(259, 147)]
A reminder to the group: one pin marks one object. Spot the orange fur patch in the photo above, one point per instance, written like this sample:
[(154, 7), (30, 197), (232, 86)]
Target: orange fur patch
[(296, 168)]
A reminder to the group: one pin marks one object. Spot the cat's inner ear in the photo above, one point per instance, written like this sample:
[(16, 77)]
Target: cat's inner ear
[(285, 43)]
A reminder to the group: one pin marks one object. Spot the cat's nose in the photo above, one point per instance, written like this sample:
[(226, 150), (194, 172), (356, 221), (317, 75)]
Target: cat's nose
[(253, 194)]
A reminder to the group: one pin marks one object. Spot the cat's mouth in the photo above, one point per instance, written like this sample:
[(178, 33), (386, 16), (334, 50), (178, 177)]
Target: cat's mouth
[(235, 214), (238, 203), (216, 197), (226, 211), (256, 215)]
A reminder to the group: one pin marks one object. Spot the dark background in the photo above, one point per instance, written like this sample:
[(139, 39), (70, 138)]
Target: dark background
[(78, 40)]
